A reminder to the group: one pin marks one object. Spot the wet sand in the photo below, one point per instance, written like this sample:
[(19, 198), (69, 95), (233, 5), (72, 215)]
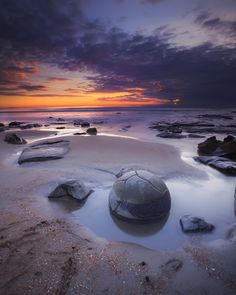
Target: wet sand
[(43, 251)]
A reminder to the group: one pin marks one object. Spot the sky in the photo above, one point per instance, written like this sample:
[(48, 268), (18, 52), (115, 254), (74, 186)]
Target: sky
[(106, 53)]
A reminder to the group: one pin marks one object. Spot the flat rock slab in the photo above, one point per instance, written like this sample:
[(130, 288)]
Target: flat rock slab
[(167, 134), (222, 164), (44, 151), (72, 188), (194, 224)]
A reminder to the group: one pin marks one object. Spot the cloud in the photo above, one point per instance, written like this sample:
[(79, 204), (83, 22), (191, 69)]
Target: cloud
[(209, 22), (58, 33), (32, 87)]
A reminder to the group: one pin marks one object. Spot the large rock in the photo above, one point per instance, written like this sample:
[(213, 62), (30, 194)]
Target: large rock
[(209, 146), (139, 196), (73, 188), (191, 223), (2, 125), (44, 151), (14, 139), (222, 164)]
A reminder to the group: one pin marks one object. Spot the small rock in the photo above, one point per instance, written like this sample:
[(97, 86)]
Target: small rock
[(191, 223), (80, 133), (73, 188), (14, 139), (85, 124), (15, 124), (92, 131), (60, 127)]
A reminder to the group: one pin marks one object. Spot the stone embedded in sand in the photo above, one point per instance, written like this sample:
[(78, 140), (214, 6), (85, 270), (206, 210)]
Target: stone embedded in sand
[(92, 131), (73, 188), (44, 151), (14, 139), (191, 223), (139, 196)]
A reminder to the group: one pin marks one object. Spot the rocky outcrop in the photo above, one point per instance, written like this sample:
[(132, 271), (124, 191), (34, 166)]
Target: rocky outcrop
[(14, 139), (44, 151), (72, 188), (194, 224), (214, 147), (218, 154), (216, 116)]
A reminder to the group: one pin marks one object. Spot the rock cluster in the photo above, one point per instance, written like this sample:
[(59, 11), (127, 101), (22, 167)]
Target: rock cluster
[(218, 154)]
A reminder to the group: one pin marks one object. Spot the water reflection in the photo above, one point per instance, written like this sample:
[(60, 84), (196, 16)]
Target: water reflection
[(139, 229), (67, 204)]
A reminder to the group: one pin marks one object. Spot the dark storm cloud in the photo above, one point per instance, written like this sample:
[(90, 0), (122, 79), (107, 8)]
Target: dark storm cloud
[(32, 87), (57, 33)]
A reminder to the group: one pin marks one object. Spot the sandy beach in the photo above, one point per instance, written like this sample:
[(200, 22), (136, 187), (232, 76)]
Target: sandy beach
[(45, 251)]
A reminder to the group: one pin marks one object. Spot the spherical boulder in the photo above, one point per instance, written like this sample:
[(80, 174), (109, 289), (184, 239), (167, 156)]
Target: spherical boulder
[(139, 196)]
